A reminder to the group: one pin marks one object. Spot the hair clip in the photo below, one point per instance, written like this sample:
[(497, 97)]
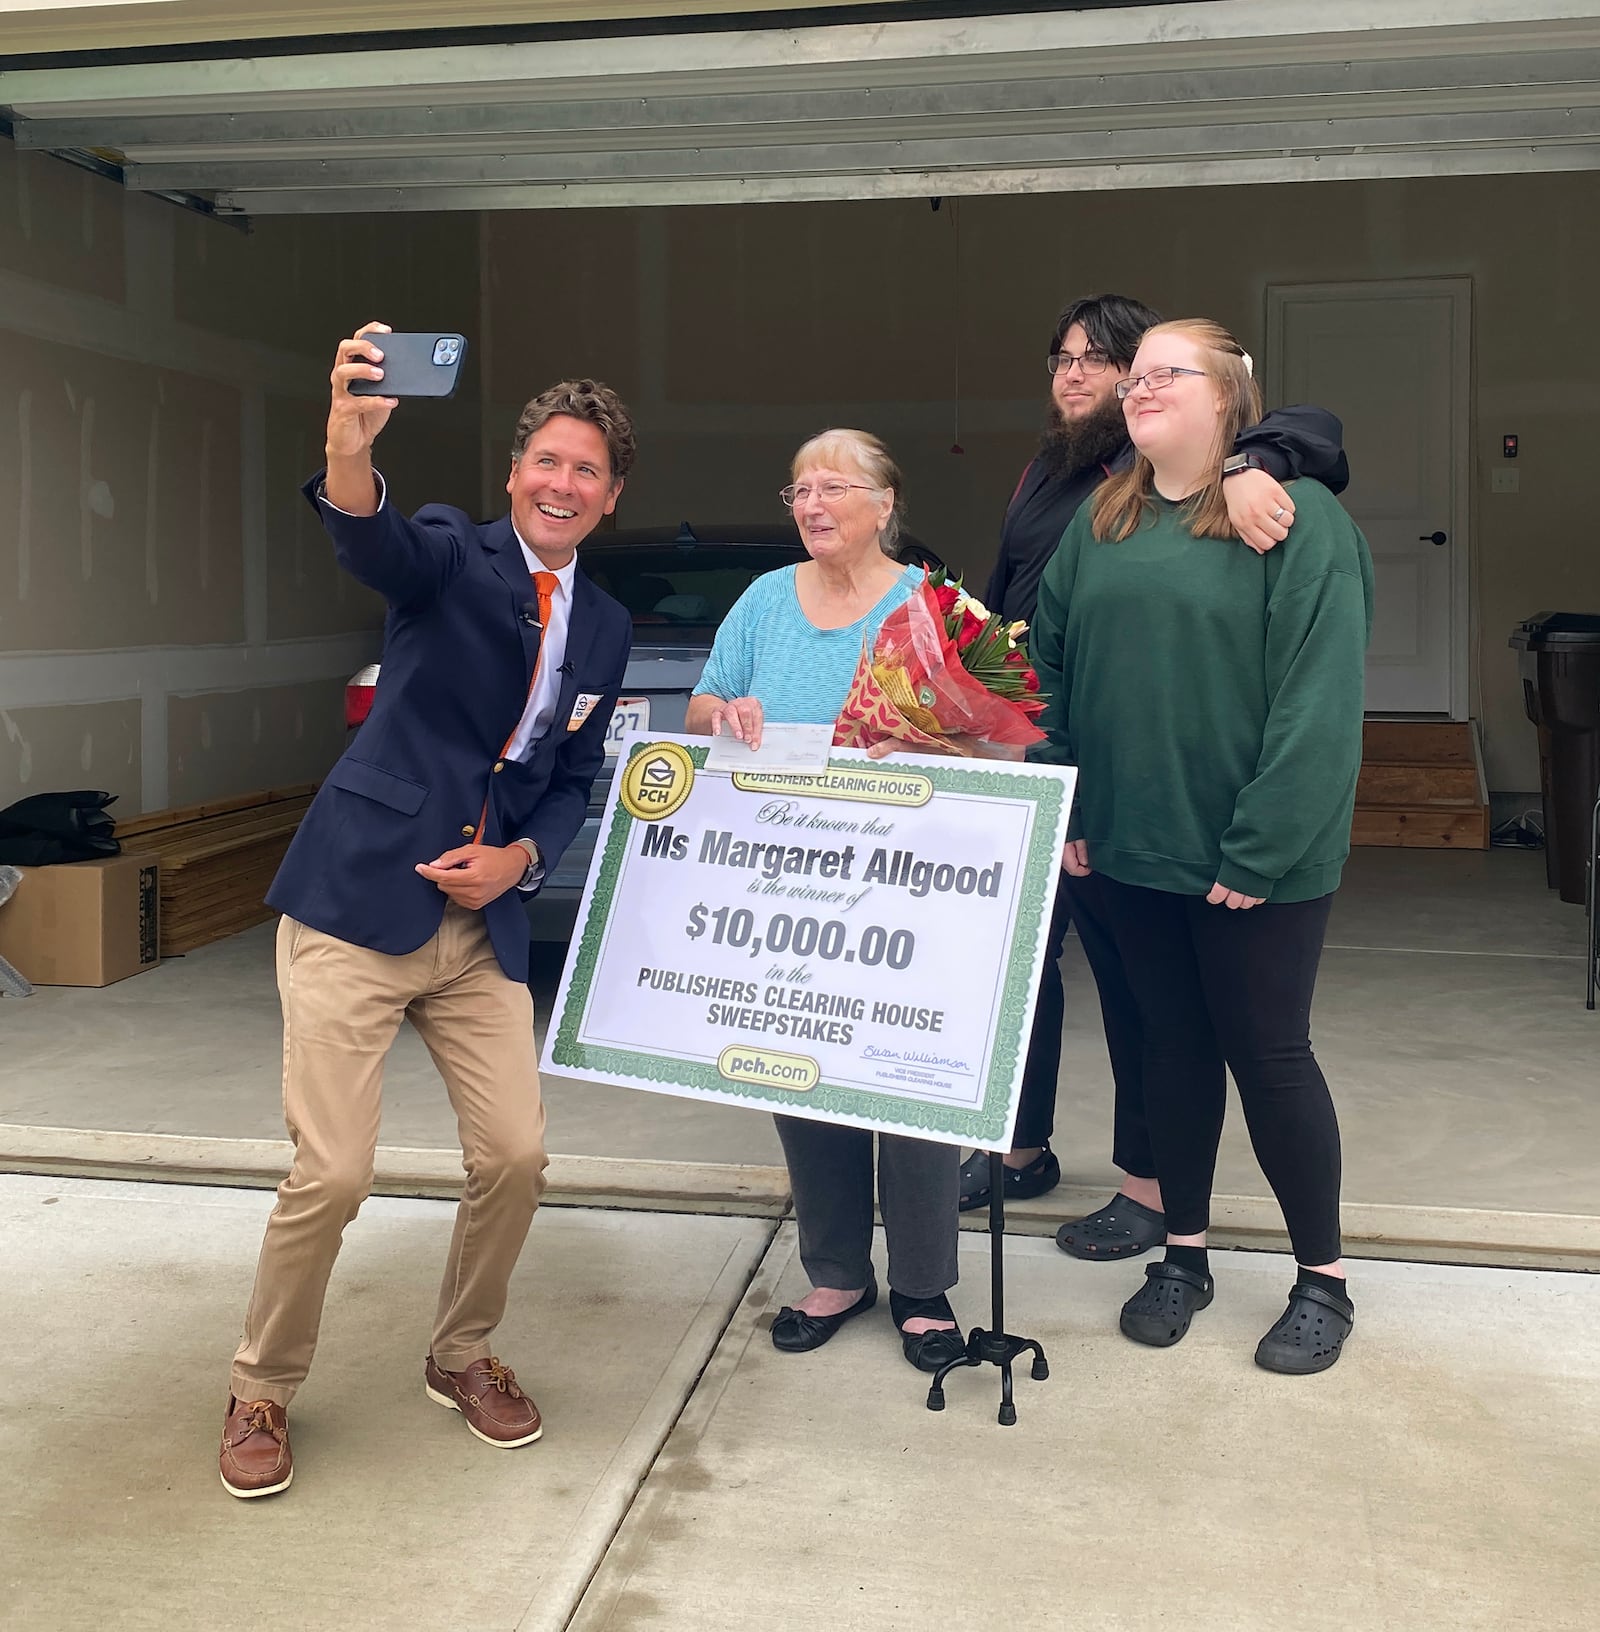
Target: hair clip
[(1249, 364)]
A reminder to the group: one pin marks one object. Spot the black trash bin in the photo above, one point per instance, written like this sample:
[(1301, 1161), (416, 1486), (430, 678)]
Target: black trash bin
[(1559, 662)]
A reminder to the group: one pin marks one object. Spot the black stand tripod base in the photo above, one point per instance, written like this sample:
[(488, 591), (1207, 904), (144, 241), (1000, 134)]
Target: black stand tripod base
[(997, 1347), (993, 1349)]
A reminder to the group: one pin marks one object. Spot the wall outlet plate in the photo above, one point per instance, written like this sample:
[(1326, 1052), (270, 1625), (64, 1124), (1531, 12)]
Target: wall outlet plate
[(1504, 481)]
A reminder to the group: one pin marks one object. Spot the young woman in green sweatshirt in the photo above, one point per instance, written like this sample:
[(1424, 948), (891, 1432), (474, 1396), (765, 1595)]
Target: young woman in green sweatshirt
[(1212, 701)]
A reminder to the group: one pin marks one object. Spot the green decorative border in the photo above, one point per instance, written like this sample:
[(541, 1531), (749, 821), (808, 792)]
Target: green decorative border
[(985, 1124)]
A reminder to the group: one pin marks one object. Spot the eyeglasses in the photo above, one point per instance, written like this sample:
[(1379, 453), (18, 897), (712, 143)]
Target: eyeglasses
[(828, 492), (1157, 379), (1089, 362)]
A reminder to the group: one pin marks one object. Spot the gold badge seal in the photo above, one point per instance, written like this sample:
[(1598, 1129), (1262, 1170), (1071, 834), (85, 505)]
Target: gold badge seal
[(656, 780)]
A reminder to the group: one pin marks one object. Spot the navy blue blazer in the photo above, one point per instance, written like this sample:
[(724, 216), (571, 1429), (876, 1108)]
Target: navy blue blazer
[(458, 658)]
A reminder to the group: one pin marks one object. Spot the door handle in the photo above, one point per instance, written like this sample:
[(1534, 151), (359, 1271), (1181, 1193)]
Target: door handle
[(1433, 538)]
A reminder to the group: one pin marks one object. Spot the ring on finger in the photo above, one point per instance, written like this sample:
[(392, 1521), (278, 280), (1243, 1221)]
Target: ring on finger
[(1279, 513)]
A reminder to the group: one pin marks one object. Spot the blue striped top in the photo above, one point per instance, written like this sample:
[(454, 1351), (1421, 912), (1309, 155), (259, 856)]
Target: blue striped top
[(769, 649)]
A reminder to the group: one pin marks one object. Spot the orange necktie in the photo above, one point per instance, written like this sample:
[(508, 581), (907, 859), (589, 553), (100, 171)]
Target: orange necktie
[(545, 585)]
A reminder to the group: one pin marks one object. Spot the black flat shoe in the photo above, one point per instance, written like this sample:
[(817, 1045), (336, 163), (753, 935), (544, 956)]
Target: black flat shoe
[(795, 1332), (1041, 1175), (927, 1351)]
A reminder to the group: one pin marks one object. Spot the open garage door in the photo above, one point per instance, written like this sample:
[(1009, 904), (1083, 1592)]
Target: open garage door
[(698, 110)]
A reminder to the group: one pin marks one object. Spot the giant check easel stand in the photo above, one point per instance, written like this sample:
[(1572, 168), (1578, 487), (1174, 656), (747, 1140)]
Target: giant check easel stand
[(858, 945)]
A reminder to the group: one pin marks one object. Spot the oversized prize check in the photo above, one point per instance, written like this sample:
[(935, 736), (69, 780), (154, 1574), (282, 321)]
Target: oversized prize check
[(858, 945)]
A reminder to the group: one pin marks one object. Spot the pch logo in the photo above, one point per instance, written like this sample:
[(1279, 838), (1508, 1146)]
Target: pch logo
[(657, 780)]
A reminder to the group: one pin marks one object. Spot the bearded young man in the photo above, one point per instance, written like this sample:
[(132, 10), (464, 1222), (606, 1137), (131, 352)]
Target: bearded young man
[(1085, 439)]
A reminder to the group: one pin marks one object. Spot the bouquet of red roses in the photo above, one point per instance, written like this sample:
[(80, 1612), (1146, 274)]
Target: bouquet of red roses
[(945, 676)]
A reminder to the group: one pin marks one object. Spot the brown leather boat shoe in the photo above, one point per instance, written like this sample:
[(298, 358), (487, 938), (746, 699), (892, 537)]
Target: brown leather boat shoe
[(256, 1460), (487, 1395)]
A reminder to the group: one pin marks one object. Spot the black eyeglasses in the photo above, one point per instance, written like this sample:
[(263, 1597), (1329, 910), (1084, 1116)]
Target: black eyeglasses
[(1158, 379), (1090, 362)]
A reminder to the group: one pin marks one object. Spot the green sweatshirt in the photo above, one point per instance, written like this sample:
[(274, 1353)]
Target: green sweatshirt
[(1211, 698)]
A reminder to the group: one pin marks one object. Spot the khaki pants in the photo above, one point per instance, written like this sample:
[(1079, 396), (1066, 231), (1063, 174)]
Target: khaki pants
[(342, 1006)]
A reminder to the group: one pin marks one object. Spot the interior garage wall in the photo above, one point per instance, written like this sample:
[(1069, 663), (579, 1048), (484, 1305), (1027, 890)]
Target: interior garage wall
[(734, 332), (172, 625)]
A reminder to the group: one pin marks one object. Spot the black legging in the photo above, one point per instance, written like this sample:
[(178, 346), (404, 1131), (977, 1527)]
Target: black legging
[(1130, 1148), (1215, 986)]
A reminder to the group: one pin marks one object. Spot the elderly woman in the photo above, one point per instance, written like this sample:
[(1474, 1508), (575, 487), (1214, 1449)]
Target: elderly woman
[(1212, 701), (787, 652)]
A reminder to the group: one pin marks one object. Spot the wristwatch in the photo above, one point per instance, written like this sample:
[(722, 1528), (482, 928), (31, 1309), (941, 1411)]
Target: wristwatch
[(535, 863), (1235, 462)]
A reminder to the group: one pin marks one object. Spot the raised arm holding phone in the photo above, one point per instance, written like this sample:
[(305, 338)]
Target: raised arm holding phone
[(402, 893)]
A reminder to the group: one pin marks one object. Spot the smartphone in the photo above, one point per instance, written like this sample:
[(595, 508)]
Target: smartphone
[(415, 365)]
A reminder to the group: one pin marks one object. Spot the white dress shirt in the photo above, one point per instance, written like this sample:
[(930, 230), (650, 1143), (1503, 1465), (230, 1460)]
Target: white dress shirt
[(539, 714), (541, 705)]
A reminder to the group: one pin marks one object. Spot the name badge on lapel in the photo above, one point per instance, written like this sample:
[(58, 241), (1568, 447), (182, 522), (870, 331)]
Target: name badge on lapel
[(583, 708)]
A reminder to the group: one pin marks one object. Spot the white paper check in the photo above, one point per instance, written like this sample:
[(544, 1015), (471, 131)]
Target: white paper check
[(783, 748)]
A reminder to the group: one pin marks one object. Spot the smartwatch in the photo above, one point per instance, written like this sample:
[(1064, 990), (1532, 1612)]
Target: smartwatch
[(1235, 462)]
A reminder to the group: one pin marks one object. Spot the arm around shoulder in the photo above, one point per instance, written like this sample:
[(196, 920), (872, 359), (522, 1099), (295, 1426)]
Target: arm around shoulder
[(1300, 440)]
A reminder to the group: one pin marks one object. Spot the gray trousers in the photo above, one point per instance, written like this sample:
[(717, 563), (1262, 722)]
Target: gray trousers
[(830, 1171)]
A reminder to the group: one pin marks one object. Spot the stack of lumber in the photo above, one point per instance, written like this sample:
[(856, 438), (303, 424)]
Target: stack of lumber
[(217, 860), (1422, 786)]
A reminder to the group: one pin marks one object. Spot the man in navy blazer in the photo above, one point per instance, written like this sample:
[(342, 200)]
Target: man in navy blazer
[(402, 892)]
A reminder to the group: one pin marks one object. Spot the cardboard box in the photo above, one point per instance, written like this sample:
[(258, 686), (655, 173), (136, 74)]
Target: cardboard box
[(84, 923)]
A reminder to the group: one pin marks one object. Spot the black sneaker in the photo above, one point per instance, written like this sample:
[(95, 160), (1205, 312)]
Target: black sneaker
[(1042, 1174)]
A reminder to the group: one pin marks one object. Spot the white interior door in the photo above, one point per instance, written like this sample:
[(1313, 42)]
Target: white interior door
[(1392, 361)]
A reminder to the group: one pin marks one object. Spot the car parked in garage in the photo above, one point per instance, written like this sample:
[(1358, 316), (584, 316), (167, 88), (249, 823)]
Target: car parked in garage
[(678, 585)]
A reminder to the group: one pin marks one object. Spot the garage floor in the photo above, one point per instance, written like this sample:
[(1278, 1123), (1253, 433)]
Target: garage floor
[(1444, 1473), (691, 1477), (130, 1295), (1426, 1482), (1449, 1019)]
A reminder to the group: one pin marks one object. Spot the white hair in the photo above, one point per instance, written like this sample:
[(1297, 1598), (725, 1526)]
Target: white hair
[(840, 447)]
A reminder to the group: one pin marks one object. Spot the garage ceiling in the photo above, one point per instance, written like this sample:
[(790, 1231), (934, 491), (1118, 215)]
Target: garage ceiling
[(1208, 92), (99, 25)]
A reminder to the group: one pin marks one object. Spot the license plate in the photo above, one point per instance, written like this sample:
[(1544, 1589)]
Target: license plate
[(630, 714)]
